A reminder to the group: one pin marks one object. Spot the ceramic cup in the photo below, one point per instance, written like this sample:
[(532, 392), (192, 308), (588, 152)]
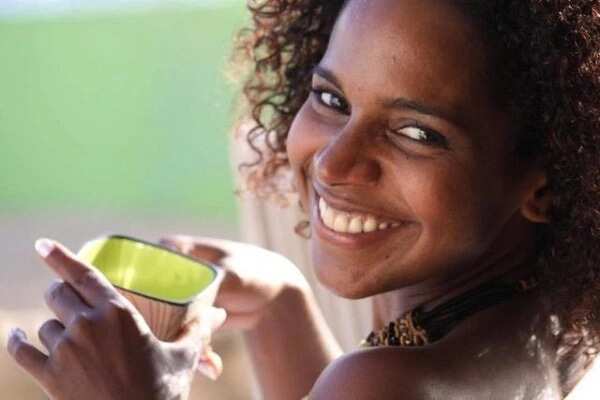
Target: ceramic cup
[(167, 288)]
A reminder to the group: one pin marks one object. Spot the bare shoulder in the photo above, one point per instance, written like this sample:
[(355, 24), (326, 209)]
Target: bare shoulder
[(380, 373), (502, 353)]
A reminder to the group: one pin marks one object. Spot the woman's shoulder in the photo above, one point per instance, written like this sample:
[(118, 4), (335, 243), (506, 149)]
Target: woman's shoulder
[(385, 373), (502, 353)]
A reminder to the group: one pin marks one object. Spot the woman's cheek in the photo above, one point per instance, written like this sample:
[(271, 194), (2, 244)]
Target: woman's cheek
[(308, 133), (306, 137), (298, 152), (442, 200)]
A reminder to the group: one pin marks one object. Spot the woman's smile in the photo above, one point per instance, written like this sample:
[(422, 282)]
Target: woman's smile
[(347, 224), (352, 222)]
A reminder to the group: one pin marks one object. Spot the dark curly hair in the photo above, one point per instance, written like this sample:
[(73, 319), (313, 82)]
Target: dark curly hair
[(545, 56)]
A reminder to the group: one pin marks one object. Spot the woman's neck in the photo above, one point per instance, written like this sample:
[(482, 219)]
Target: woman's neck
[(514, 263)]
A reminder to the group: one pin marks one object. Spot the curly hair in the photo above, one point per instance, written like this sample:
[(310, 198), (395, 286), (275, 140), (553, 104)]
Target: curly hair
[(546, 62)]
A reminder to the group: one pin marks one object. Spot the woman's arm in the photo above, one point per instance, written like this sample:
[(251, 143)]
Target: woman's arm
[(291, 346)]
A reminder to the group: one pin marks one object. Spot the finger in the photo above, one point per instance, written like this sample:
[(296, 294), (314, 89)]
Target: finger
[(194, 248), (182, 244), (219, 316), (210, 365), (200, 330), (27, 356), (169, 244), (64, 302), (240, 321), (89, 283), (50, 333)]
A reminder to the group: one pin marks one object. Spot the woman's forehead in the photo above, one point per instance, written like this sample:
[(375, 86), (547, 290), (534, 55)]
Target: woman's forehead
[(424, 47)]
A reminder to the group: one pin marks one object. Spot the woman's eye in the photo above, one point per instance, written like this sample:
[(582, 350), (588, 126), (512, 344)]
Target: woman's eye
[(331, 100), (414, 133), (421, 135)]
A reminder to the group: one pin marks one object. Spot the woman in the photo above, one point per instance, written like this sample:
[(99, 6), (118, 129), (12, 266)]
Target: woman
[(446, 154)]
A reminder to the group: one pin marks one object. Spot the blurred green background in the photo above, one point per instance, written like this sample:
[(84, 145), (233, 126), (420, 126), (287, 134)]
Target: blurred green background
[(122, 111), (115, 117)]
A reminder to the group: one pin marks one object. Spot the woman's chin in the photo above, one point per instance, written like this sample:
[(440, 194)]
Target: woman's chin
[(343, 281), (345, 291)]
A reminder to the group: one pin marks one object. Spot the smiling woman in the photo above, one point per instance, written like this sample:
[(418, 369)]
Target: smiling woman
[(442, 150), (447, 156)]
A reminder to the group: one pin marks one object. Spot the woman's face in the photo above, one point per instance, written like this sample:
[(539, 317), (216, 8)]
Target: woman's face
[(400, 155)]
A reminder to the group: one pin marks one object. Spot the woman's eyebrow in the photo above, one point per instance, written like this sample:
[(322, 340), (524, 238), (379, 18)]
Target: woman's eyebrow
[(326, 74), (400, 103), (404, 104)]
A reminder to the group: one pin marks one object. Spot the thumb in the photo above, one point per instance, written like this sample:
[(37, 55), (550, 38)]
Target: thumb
[(197, 334), (200, 329)]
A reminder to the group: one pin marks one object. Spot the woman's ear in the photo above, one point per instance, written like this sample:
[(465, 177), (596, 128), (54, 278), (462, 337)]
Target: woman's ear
[(538, 200)]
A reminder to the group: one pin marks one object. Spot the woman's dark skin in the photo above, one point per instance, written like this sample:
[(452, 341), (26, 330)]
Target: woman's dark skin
[(467, 204), (403, 125)]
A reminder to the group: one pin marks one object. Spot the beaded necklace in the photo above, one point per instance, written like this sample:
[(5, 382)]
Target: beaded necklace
[(419, 327)]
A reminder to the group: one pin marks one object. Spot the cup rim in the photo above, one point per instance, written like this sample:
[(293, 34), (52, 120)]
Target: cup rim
[(218, 272)]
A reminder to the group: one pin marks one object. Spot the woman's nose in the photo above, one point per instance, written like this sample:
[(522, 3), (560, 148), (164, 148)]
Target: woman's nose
[(346, 159)]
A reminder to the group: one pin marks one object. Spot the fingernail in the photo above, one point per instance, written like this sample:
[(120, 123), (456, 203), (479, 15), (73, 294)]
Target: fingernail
[(17, 333), (207, 370), (44, 247), (15, 337)]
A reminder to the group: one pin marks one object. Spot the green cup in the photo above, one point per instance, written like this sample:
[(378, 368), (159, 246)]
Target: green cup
[(167, 288)]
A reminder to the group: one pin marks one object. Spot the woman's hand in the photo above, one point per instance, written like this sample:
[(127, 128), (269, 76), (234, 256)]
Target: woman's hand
[(288, 340), (99, 347), (254, 277)]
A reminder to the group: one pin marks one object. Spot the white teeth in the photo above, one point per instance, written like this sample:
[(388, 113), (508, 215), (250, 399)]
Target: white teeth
[(370, 224), (322, 205), (340, 223), (354, 223), (328, 217)]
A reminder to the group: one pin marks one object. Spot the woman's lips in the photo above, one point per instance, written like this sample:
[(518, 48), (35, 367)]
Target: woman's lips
[(351, 222), (350, 228)]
